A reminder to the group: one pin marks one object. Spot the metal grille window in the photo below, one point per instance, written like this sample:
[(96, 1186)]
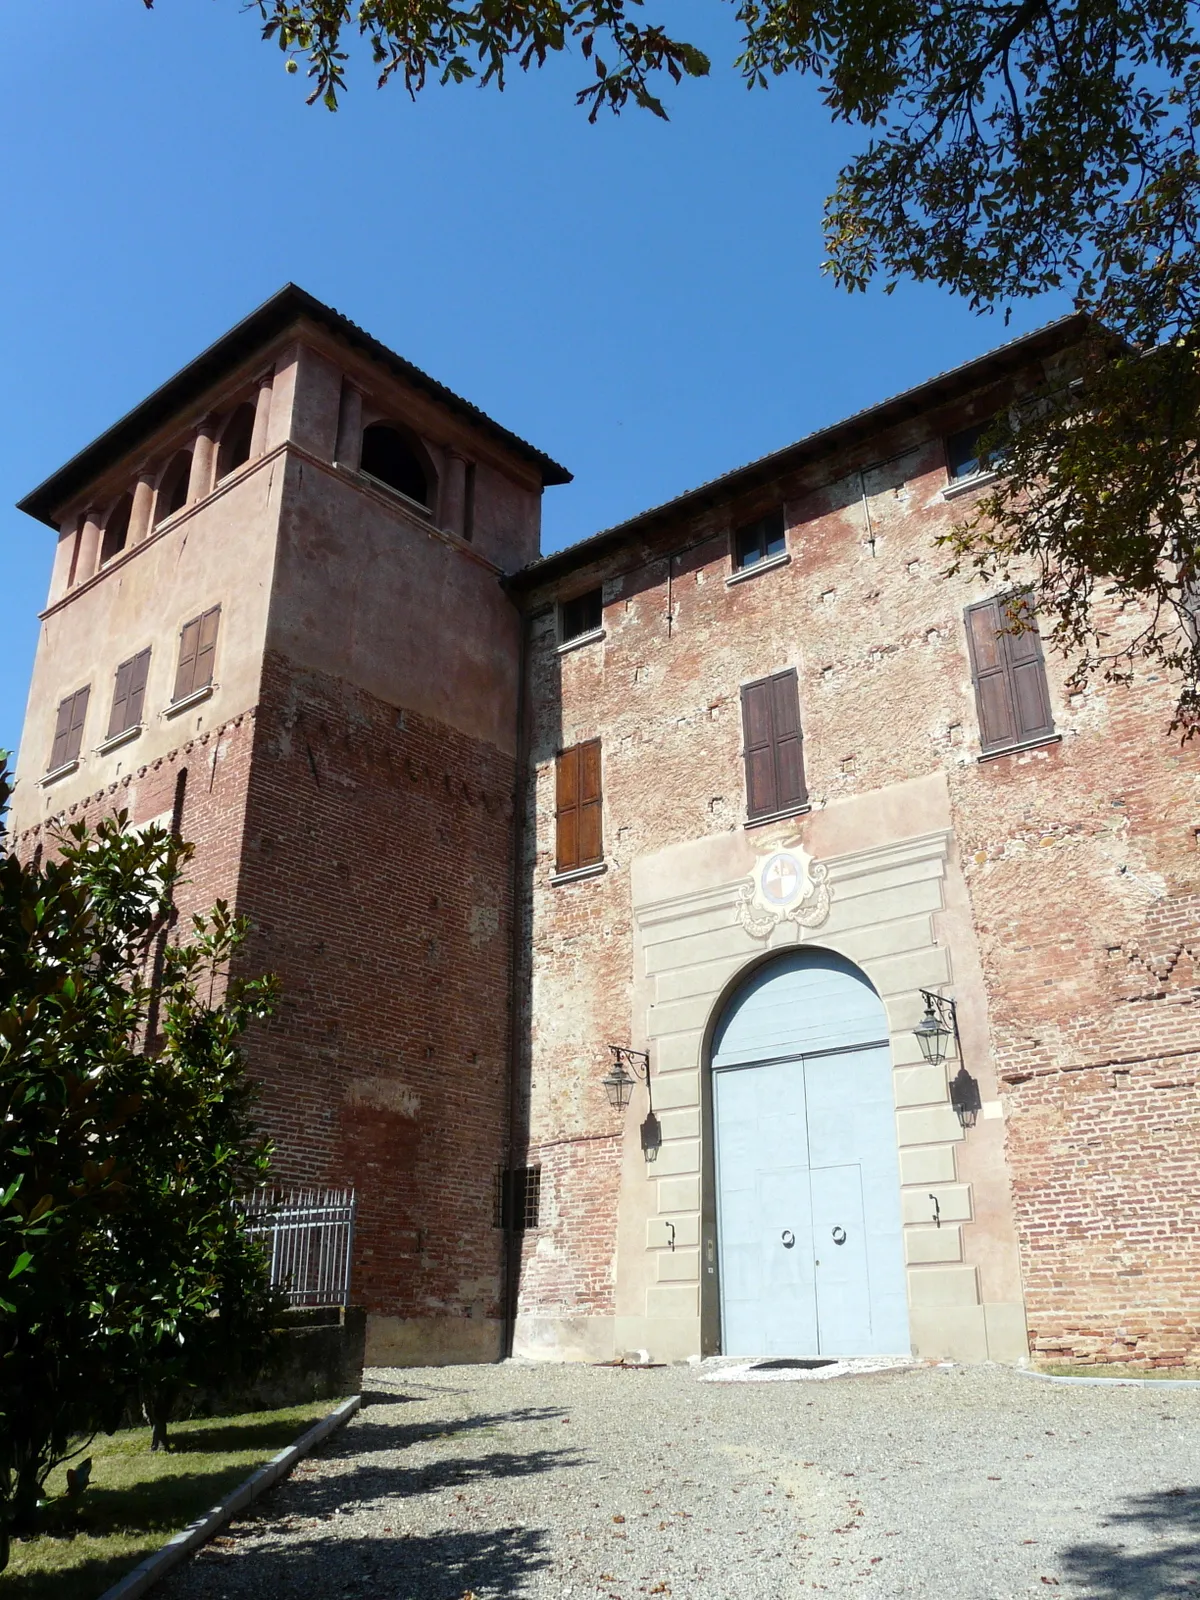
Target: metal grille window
[(517, 1200), (310, 1238)]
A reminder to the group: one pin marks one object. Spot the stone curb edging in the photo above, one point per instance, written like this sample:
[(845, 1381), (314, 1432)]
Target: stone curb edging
[(136, 1583), (1124, 1383)]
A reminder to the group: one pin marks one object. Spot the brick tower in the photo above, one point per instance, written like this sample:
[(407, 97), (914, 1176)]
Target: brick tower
[(276, 616)]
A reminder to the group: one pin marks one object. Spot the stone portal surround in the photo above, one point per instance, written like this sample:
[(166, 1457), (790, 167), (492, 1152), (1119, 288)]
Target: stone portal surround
[(692, 952)]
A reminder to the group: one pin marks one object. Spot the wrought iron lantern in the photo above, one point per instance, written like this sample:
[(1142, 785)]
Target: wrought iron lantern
[(937, 1027), (618, 1085), (934, 1031)]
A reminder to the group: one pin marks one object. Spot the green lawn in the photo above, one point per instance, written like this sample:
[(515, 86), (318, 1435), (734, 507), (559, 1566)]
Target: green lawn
[(137, 1500)]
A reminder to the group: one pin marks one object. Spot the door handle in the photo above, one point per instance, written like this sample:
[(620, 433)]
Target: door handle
[(788, 1237), (839, 1236)]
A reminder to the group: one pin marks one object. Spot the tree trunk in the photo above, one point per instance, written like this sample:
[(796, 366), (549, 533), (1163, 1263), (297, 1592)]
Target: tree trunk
[(23, 1521), (159, 1405)]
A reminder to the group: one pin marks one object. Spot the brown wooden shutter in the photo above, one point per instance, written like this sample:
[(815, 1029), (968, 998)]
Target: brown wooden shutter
[(1011, 695), (773, 745), (79, 705), (186, 670), (989, 668), (139, 672), (758, 744), (1031, 693), (567, 810), (789, 749), (579, 832), (62, 732), (118, 719), (206, 648), (591, 832)]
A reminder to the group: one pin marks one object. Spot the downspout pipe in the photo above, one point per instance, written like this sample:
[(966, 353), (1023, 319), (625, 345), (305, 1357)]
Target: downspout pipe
[(512, 1238)]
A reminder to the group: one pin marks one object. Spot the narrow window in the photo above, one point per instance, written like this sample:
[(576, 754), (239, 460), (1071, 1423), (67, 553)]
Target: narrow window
[(234, 450), (773, 745), (388, 457), (580, 616), (578, 830), (963, 459), (68, 729), (469, 503), (129, 694), (1012, 698), (517, 1198), (197, 649), (172, 490), (758, 540), (75, 543), (116, 529)]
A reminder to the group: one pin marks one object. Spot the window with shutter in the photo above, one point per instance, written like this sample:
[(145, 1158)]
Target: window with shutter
[(773, 745), (197, 652), (1009, 673), (68, 729), (129, 694), (579, 838)]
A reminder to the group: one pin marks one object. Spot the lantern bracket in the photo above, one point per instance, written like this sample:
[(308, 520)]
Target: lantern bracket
[(945, 1011), (630, 1066)]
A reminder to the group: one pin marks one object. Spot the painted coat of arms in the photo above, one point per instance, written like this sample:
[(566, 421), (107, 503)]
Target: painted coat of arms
[(785, 886)]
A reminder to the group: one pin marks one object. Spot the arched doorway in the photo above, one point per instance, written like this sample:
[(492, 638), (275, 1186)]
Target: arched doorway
[(806, 1166)]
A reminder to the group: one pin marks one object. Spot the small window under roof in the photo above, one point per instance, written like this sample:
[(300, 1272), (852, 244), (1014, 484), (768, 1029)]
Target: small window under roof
[(760, 539), (963, 459), (582, 615)]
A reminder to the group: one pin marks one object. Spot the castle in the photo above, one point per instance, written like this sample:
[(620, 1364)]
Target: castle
[(894, 932)]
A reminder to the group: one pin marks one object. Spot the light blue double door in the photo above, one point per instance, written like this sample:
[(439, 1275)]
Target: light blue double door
[(808, 1195)]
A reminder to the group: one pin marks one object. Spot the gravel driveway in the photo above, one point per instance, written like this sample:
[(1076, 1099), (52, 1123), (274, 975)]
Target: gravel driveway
[(953, 1483)]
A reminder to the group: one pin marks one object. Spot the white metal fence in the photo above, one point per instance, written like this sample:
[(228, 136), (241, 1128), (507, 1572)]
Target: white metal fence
[(310, 1234)]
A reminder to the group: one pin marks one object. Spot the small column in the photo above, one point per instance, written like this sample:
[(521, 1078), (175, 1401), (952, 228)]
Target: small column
[(64, 555), (262, 417), (454, 493), (89, 548), (143, 499), (349, 435), (200, 478)]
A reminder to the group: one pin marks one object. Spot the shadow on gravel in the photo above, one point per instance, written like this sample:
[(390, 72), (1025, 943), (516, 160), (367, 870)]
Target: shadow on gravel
[(444, 1566), (1171, 1567), (370, 1483), (367, 1433), (388, 1397)]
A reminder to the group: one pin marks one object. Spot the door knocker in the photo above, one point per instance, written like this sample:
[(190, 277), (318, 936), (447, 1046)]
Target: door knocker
[(839, 1236), (788, 1237)]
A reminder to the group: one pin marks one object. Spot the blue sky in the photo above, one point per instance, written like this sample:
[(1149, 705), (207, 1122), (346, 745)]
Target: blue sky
[(643, 301)]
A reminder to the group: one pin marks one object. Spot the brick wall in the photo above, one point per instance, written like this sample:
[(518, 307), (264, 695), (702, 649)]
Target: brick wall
[(377, 873), (568, 1267), (1081, 863), (213, 770)]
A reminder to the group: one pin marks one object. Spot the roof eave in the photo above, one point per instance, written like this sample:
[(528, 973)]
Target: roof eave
[(958, 381), (254, 332)]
